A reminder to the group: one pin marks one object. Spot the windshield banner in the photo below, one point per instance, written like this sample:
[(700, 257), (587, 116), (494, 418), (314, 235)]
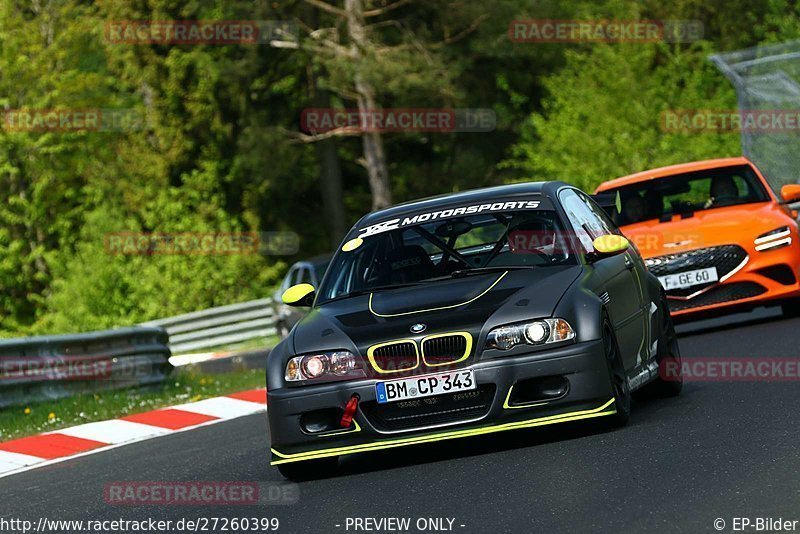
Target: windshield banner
[(425, 217)]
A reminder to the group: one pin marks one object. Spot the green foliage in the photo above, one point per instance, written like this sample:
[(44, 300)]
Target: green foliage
[(98, 287), (181, 172), (603, 116), (213, 154)]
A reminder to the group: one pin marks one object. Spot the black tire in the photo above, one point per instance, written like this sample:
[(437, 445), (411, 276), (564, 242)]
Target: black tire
[(617, 377), (309, 469), (670, 378), (791, 309)]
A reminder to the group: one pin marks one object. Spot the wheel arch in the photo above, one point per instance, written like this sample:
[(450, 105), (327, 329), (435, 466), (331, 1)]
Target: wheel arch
[(583, 309)]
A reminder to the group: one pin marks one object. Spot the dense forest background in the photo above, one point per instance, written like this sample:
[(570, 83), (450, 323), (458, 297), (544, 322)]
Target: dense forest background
[(221, 148)]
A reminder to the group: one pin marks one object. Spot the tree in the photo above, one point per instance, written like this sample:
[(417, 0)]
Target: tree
[(588, 133), (374, 51)]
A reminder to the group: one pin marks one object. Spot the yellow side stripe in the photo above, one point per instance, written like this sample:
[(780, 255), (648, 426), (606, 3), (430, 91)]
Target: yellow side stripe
[(473, 299), (540, 421)]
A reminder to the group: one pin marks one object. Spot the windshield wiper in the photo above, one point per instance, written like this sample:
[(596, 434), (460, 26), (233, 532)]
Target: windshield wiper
[(482, 270), (364, 291)]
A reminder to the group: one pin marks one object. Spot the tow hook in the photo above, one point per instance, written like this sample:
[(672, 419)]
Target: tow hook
[(349, 411)]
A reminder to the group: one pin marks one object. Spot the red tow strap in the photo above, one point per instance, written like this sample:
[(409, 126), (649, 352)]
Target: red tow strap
[(349, 411)]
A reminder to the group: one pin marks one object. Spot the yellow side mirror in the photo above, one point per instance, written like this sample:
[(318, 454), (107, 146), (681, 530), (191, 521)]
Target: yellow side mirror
[(299, 295), (609, 245)]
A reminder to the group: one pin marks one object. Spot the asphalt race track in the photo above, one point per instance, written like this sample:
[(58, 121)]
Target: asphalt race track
[(721, 450)]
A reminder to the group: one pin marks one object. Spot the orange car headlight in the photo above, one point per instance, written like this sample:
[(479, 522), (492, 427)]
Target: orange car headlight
[(778, 238)]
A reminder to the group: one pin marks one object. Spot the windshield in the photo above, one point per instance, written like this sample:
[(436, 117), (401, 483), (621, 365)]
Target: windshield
[(684, 194), (454, 247)]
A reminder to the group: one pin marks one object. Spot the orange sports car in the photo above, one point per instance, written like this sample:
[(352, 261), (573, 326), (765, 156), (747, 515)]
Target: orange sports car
[(714, 233)]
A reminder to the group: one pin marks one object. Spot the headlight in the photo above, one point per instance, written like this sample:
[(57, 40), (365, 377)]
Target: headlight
[(324, 367), (539, 332), (780, 237)]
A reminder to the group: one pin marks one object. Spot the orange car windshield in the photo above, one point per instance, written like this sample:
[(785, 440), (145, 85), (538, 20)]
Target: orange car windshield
[(686, 194)]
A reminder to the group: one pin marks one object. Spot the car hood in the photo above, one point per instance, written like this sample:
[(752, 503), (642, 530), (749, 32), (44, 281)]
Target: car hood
[(473, 303), (721, 226)]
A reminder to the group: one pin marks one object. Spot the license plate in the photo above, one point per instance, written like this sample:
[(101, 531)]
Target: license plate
[(424, 386), (689, 278)]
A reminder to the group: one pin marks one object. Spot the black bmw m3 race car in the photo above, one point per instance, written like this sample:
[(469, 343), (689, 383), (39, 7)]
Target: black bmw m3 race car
[(466, 314)]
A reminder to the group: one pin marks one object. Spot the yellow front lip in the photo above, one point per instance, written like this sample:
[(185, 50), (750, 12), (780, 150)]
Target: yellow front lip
[(539, 421)]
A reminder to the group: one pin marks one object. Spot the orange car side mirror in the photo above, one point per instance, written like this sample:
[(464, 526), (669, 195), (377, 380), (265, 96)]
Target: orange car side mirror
[(791, 193)]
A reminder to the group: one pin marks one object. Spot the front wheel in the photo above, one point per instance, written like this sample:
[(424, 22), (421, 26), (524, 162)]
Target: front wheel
[(618, 378), (669, 382)]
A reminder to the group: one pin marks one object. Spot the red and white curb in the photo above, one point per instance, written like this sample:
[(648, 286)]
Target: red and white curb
[(199, 357), (35, 451)]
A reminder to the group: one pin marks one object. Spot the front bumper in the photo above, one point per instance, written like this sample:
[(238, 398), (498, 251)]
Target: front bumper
[(750, 286), (581, 365)]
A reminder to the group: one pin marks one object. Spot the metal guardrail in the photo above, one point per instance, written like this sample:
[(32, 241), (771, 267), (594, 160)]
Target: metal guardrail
[(50, 367), (216, 327)]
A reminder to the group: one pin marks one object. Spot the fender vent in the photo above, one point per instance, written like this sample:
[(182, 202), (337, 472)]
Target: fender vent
[(782, 274)]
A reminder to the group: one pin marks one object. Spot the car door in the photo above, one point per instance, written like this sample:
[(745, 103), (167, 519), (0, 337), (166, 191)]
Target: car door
[(621, 282)]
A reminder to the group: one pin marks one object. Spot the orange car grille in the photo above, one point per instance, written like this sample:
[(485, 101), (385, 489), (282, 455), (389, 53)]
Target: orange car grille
[(719, 295), (725, 258)]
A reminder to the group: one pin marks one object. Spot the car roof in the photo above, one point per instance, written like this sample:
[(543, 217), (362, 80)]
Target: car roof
[(672, 170), (473, 196)]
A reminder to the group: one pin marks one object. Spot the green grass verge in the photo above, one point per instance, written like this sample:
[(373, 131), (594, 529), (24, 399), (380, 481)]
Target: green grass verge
[(183, 386)]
